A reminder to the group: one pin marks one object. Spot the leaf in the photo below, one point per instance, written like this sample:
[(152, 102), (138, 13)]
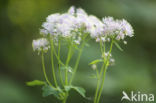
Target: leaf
[(67, 88), (80, 90), (118, 46), (35, 83), (95, 61), (48, 90), (67, 68)]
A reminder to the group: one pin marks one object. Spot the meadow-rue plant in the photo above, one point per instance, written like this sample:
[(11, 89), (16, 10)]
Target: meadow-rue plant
[(72, 30)]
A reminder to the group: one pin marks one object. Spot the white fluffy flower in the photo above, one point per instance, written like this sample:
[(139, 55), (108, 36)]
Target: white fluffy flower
[(126, 28), (66, 25), (76, 22), (49, 27), (117, 28), (111, 27), (40, 44), (94, 26)]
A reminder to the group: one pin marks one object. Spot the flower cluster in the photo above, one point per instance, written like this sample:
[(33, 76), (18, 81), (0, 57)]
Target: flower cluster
[(40, 45), (76, 23), (70, 25), (117, 28)]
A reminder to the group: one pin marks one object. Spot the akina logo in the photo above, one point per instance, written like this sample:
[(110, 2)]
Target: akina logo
[(137, 97)]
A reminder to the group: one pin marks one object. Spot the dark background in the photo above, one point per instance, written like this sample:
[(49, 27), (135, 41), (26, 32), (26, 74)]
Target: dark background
[(134, 69)]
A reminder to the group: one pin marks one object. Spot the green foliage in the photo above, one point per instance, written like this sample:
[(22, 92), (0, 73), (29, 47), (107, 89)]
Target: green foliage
[(35, 83), (80, 90), (118, 46), (96, 61), (48, 90)]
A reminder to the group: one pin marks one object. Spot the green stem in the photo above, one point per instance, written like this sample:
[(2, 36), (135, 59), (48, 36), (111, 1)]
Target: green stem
[(78, 58), (99, 76), (52, 62), (59, 45), (102, 84), (58, 58), (67, 62), (76, 65), (77, 62), (101, 46), (104, 75), (97, 88), (44, 71), (65, 99), (103, 51)]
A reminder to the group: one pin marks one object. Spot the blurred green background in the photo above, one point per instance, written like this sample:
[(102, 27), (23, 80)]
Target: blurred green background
[(134, 69)]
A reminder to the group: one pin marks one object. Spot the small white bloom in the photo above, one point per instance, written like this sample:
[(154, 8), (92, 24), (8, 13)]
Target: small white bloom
[(40, 44), (112, 61), (106, 54), (108, 39), (94, 67), (70, 71), (103, 39), (97, 39), (71, 10), (125, 42)]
